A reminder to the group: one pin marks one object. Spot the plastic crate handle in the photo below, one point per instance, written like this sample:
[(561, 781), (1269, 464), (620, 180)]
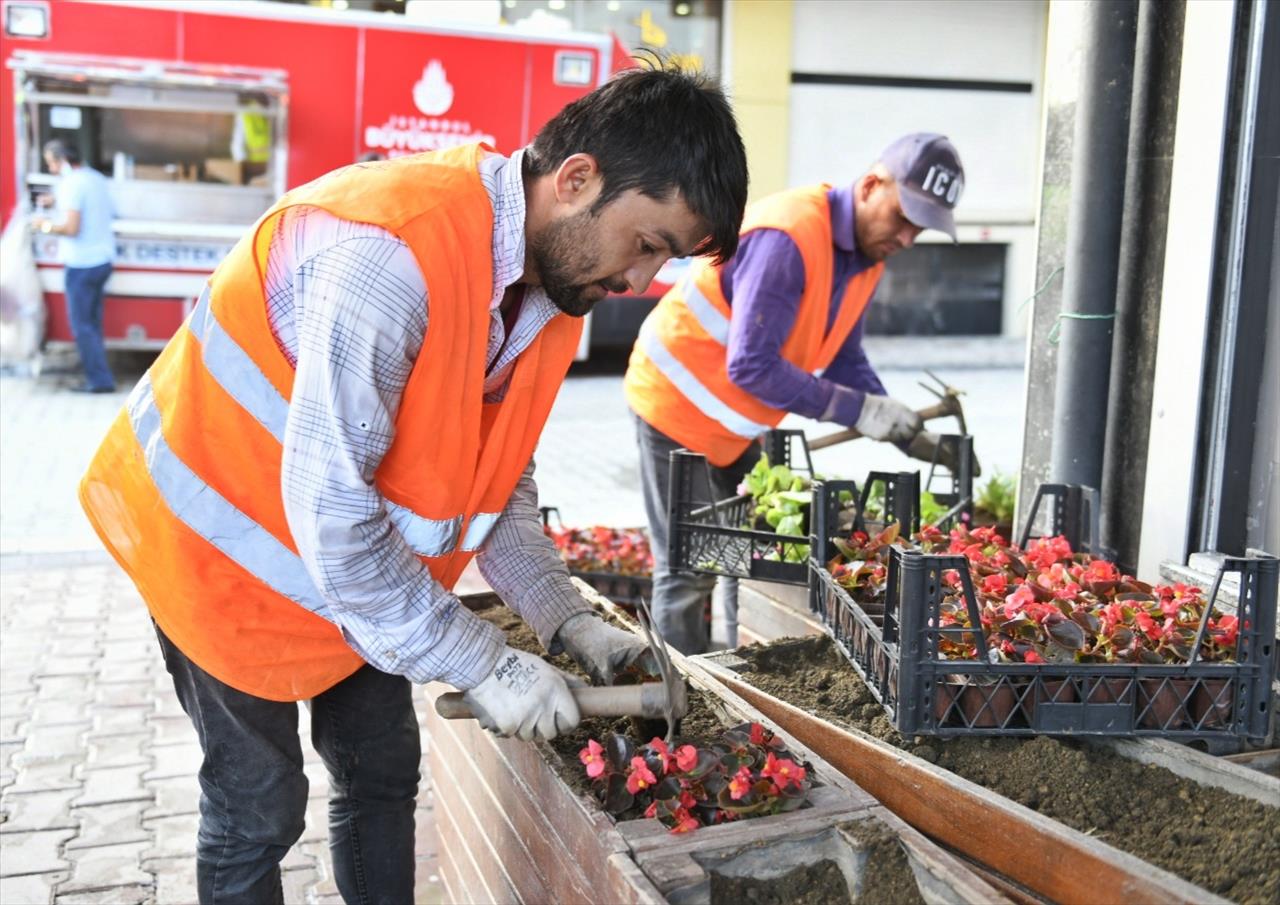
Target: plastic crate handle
[(778, 446), (1075, 511), (901, 499)]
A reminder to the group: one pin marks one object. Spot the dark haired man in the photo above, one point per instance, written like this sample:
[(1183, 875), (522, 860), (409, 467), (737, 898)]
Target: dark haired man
[(347, 418), (86, 248), (733, 348)]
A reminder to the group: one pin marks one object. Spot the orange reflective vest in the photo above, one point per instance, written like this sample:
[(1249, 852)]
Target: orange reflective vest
[(185, 490), (678, 380)]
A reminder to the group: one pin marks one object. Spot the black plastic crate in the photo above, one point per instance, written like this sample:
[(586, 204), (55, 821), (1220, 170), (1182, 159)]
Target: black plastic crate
[(708, 536), (894, 647), (958, 493)]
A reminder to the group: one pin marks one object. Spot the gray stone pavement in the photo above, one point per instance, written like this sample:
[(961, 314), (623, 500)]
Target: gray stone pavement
[(98, 797), (98, 792)]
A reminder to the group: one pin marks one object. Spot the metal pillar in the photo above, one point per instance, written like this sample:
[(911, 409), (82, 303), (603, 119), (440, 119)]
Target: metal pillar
[(1093, 242)]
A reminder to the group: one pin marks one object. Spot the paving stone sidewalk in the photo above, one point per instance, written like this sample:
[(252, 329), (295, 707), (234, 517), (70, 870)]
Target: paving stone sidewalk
[(98, 792)]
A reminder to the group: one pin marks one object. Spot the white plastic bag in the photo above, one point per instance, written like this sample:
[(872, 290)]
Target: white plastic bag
[(22, 313)]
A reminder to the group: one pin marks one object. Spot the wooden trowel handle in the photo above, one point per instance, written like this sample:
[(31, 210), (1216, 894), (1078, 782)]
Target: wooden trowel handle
[(938, 410), (647, 701)]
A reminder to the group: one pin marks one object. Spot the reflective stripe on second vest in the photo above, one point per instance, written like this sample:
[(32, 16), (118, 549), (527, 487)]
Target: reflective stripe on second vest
[(687, 383), (677, 379), (711, 320)]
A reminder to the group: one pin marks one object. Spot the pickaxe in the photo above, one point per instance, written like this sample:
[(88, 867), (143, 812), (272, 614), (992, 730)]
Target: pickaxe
[(948, 404)]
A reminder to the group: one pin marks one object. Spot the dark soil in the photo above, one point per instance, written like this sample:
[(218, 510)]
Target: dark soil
[(811, 884), (887, 876), (1224, 843)]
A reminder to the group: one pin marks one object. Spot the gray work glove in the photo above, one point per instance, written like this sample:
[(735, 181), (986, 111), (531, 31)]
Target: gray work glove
[(888, 419), (602, 650), (524, 696), (926, 443)]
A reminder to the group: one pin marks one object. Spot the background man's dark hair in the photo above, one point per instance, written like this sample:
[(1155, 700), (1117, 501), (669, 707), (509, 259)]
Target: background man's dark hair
[(660, 130), (60, 150)]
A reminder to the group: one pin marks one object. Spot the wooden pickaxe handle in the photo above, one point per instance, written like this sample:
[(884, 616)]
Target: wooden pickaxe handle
[(648, 701), (937, 410)]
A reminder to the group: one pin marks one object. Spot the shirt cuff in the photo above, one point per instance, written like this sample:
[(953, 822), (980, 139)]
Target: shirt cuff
[(473, 647), (845, 406), (558, 602)]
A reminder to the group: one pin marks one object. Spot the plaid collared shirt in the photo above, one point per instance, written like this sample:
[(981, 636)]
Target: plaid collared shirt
[(347, 305)]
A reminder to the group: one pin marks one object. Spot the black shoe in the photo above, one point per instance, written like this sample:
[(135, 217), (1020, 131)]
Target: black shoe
[(85, 388)]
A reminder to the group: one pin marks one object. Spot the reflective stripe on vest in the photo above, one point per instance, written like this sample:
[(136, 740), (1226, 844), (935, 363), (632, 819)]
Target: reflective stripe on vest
[(436, 537), (236, 372), (709, 317), (244, 382), (693, 389), (209, 514)]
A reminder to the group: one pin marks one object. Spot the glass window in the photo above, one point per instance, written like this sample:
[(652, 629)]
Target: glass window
[(142, 132), (941, 289), (687, 30)]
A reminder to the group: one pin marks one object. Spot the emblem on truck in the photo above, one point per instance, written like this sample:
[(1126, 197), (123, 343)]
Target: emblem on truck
[(432, 94)]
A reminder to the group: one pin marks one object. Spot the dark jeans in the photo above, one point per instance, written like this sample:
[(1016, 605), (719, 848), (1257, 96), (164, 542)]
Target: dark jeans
[(84, 311), (678, 596), (254, 794)]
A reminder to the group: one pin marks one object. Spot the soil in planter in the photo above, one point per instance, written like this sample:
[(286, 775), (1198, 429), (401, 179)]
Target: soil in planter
[(887, 876), (811, 884), (701, 725), (1225, 843)]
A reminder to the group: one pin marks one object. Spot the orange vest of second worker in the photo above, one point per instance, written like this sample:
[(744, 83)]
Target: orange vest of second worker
[(185, 490), (678, 379)]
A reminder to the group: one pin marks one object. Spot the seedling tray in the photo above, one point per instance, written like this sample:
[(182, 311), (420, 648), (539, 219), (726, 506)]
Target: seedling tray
[(894, 647), (709, 536)]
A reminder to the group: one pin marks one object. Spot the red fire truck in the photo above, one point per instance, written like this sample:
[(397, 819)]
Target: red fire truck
[(201, 114)]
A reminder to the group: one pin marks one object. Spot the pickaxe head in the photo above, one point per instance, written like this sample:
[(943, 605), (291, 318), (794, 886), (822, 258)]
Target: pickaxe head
[(948, 397), (677, 702)]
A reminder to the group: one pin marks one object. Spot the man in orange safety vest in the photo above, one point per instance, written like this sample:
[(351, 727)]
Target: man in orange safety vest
[(347, 418), (733, 348)]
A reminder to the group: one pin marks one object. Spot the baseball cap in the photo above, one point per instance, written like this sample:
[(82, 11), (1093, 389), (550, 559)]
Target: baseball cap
[(930, 179)]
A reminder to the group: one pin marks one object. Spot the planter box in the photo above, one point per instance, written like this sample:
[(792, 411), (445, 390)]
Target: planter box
[(512, 831), (1070, 866)]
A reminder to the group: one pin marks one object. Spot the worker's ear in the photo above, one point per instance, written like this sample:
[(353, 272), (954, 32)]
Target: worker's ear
[(578, 181), (863, 188)]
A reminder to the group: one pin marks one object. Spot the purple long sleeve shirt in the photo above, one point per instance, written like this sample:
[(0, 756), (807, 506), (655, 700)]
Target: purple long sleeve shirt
[(763, 285)]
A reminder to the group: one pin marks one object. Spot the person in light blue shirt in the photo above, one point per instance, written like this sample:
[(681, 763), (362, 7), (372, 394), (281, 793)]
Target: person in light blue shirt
[(87, 247)]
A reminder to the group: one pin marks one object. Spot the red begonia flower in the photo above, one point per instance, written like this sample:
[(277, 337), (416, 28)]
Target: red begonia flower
[(640, 777), (592, 757)]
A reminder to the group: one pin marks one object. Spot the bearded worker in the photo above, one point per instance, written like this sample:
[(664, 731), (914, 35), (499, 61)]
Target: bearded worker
[(733, 348), (349, 416)]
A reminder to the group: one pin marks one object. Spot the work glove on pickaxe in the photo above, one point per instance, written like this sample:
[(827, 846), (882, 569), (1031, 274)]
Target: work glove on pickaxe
[(602, 650), (885, 418), (524, 696)]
